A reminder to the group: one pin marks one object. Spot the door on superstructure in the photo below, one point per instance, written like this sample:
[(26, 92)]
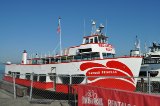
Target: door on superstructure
[(53, 76)]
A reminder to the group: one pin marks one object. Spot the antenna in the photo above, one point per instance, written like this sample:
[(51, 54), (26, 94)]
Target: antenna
[(145, 46), (106, 27), (84, 28)]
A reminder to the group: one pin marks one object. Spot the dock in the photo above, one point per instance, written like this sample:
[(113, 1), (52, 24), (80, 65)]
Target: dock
[(6, 99), (22, 99)]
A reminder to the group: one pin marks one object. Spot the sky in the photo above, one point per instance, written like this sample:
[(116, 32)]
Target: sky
[(32, 24)]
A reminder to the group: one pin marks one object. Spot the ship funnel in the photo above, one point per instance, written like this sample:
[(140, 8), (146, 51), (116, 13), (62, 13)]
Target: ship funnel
[(24, 57)]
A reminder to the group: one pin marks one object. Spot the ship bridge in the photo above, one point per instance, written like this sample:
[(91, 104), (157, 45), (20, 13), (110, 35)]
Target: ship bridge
[(96, 43)]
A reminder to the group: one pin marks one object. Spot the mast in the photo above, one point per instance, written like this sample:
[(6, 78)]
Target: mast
[(59, 31), (106, 28), (145, 47), (84, 28)]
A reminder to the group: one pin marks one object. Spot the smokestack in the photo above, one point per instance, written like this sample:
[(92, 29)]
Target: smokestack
[(24, 57)]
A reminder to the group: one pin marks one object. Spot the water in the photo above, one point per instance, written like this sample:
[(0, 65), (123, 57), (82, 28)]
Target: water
[(1, 70)]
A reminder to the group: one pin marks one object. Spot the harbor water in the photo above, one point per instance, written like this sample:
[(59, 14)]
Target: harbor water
[(1, 70)]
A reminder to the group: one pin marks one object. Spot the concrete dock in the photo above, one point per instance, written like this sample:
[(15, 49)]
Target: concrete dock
[(7, 99)]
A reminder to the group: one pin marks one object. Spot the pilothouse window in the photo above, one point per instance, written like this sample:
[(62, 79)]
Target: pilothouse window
[(91, 40), (95, 40), (86, 41)]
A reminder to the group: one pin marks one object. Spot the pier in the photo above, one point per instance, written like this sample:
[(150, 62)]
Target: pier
[(7, 99)]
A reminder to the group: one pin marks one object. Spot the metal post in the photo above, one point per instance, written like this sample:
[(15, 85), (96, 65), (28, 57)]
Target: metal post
[(14, 85), (149, 83), (31, 89), (54, 82), (75, 98), (70, 91)]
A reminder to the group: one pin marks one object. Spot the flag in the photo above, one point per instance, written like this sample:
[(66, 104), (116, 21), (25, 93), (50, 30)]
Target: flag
[(137, 43), (58, 28)]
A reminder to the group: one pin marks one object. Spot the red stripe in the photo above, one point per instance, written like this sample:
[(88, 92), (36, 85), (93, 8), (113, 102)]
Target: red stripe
[(114, 83), (39, 85), (87, 65)]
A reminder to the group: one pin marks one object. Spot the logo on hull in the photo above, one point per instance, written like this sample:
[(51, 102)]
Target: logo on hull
[(117, 75)]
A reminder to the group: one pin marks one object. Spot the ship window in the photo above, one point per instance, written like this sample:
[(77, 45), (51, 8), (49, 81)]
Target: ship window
[(95, 40), (17, 74), (91, 40), (28, 75), (13, 73), (95, 55), (86, 41), (77, 57), (85, 50), (109, 55), (34, 61), (42, 77), (104, 55), (52, 76), (86, 56), (35, 77), (52, 60), (9, 72)]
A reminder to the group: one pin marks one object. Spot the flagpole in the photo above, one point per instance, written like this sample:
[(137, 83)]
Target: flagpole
[(60, 43)]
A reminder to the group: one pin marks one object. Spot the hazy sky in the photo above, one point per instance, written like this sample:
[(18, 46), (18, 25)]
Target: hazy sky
[(32, 24)]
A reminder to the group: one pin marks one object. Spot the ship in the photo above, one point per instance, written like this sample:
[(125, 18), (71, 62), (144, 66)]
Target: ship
[(151, 62), (92, 62)]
